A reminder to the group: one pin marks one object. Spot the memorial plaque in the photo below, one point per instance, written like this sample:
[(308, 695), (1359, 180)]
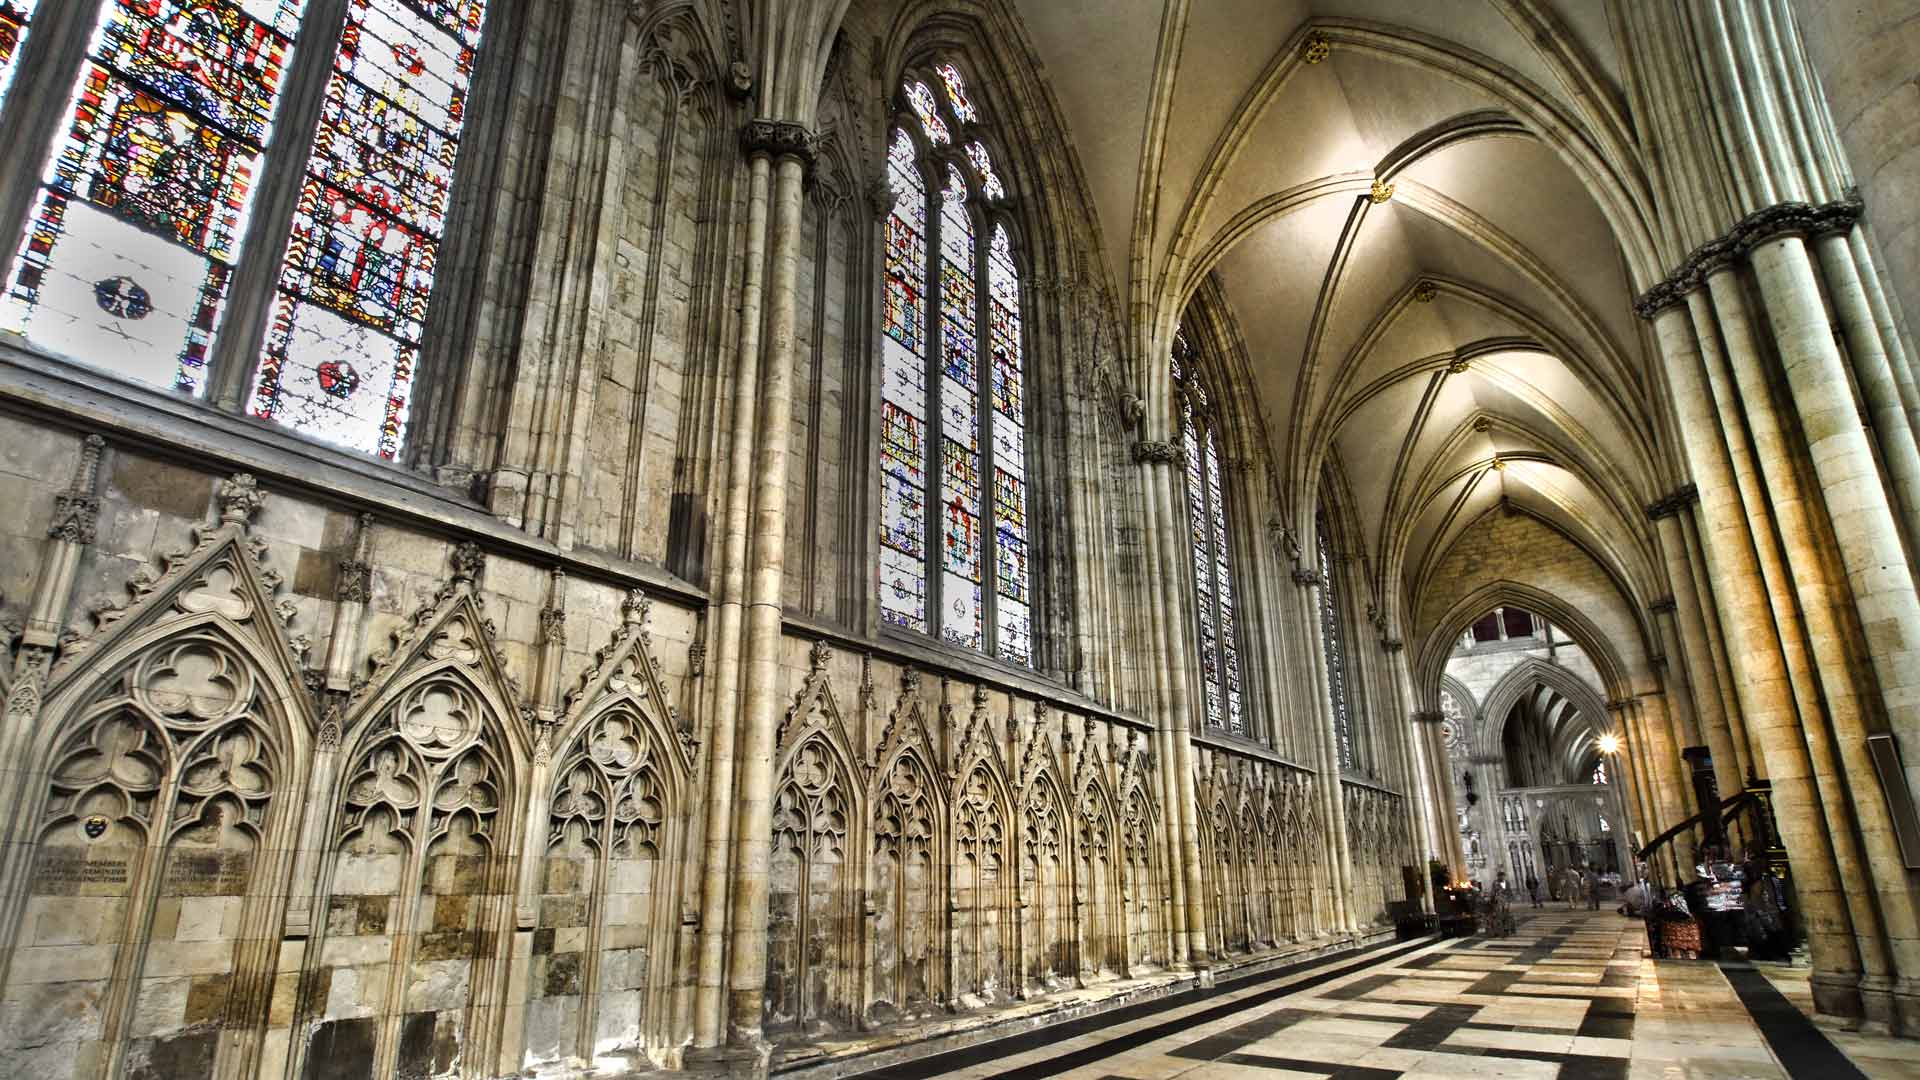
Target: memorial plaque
[(208, 873), (71, 871)]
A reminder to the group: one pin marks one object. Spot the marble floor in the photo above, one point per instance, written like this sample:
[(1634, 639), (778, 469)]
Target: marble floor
[(1568, 996)]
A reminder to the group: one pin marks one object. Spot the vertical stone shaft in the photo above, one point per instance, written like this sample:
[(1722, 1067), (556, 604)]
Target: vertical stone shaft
[(710, 976), (1161, 634), (1755, 652), (1867, 533), (760, 670), (1160, 492)]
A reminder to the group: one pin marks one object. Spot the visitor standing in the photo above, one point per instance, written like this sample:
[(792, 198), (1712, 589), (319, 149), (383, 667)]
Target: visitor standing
[(1533, 890)]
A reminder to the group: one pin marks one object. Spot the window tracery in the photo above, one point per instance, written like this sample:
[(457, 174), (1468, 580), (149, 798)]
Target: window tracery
[(142, 221), (1212, 549), (960, 572)]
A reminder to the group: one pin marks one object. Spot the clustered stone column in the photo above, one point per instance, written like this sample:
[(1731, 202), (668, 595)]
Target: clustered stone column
[(732, 955), (1794, 405)]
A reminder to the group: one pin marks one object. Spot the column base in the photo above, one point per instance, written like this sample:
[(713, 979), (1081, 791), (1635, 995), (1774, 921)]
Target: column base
[(753, 1061), (1837, 994), (1906, 1008), (1876, 1004)]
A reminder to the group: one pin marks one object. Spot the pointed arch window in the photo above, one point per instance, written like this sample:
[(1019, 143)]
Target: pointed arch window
[(954, 540), (1332, 645), (1217, 617), (143, 218)]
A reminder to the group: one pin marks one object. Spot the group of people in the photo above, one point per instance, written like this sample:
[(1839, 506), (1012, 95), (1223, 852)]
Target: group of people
[(1579, 883)]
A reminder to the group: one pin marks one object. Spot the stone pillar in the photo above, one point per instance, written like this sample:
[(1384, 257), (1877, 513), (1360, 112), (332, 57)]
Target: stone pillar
[(1755, 653), (1867, 533), (790, 145), (1156, 458), (1683, 638), (728, 619)]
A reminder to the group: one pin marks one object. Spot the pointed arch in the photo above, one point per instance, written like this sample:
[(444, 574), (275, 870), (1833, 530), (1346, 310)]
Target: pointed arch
[(816, 861), (420, 877), (160, 793), (980, 885), (609, 891)]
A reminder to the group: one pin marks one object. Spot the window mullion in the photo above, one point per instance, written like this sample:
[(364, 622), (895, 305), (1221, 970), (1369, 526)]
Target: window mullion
[(36, 109), (250, 295)]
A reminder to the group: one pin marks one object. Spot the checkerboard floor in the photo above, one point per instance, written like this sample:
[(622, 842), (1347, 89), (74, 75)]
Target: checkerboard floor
[(1569, 996)]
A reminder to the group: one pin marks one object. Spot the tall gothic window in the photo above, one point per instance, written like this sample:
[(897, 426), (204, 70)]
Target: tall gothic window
[(141, 222), (1332, 643), (16, 18), (953, 553), (1212, 556)]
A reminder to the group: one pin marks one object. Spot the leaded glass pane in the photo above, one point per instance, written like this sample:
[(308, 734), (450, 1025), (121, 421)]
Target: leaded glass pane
[(1009, 450), (903, 406), (1198, 523), (134, 235), (1330, 643), (1223, 588), (339, 356), (957, 93), (990, 184), (16, 17), (928, 110), (981, 533)]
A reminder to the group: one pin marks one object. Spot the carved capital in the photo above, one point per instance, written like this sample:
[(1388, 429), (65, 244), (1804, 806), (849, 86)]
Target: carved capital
[(1667, 505), (468, 561), (1428, 716), (634, 608), (1392, 645), (355, 583), (553, 626), (1305, 578), (1662, 606), (240, 498), (777, 139), (1763, 225), (75, 518), (1147, 452), (882, 196)]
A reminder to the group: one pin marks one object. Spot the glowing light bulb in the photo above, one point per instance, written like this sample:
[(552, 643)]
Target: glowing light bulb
[(1609, 744)]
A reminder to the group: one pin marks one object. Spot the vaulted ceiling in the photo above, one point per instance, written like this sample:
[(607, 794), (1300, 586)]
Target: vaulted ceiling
[(1469, 339)]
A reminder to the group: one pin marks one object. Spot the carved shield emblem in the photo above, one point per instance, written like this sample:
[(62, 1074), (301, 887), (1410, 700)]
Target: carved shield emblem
[(95, 827)]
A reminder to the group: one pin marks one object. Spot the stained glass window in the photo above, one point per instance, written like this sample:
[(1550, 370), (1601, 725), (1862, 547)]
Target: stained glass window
[(339, 357), (953, 549), (138, 224), (928, 110), (957, 93), (1330, 642), (903, 397), (16, 16), (1600, 772), (990, 185), (1217, 623)]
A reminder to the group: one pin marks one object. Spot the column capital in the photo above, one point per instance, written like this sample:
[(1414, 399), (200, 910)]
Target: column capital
[(1662, 606), (1673, 502), (1392, 645), (1428, 716), (1149, 452), (777, 139), (1305, 578), (1765, 224)]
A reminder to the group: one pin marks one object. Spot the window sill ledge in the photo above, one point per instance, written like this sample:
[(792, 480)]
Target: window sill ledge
[(201, 436)]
